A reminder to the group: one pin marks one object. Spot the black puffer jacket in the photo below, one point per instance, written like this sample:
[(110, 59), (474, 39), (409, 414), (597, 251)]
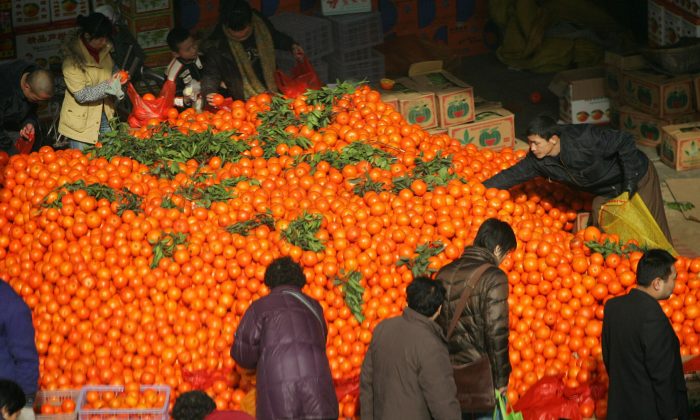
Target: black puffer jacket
[(282, 338), (15, 110), (594, 159), (483, 326)]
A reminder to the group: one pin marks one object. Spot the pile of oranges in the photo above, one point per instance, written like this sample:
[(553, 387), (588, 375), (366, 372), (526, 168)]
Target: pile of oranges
[(104, 315)]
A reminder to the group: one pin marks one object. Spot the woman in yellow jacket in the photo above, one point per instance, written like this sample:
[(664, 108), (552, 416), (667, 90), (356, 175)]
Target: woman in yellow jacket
[(91, 82)]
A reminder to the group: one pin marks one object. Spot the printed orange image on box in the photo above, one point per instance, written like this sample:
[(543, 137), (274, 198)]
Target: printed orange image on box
[(30, 12), (455, 98), (494, 128), (647, 128), (680, 146), (657, 93), (68, 9), (416, 106)]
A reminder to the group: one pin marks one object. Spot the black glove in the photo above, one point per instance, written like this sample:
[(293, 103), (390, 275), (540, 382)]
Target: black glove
[(631, 189)]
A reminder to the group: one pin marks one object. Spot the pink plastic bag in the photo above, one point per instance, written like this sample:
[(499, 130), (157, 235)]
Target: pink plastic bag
[(546, 400), (302, 77)]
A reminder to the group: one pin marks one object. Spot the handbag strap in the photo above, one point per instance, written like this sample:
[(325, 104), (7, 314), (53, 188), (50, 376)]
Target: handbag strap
[(470, 285), (301, 299)]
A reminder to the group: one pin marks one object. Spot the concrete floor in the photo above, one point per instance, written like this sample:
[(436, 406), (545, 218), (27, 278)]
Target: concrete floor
[(493, 81)]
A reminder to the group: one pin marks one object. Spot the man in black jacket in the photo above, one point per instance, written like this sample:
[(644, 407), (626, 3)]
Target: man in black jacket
[(240, 53), (22, 86), (640, 349), (598, 160)]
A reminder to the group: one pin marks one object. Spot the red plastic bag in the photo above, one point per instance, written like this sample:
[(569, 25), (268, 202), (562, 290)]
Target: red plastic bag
[(24, 145), (347, 386), (157, 108), (203, 378), (302, 77), (546, 400)]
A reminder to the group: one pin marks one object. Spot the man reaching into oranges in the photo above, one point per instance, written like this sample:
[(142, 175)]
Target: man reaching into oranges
[(601, 161)]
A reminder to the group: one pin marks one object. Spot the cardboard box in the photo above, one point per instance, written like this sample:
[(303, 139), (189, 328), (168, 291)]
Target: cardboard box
[(151, 31), (6, 18), (656, 23), (674, 24), (696, 86), (68, 9), (158, 57), (647, 128), (43, 46), (658, 93), (437, 131), (680, 146), (581, 95), (94, 4), (615, 64), (690, 6), (7, 47), (581, 221), (455, 98), (416, 106), (344, 7), (494, 128), (30, 12), (134, 8)]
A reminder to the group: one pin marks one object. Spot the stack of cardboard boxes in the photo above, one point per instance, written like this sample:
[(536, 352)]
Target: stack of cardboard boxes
[(439, 102), (659, 109), (150, 21)]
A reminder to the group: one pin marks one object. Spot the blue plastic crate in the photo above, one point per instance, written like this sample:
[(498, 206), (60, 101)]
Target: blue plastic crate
[(123, 414)]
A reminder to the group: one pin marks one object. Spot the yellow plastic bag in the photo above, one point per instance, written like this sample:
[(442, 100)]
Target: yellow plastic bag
[(248, 403), (631, 220)]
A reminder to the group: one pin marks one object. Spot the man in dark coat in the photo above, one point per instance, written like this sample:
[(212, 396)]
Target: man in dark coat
[(407, 373), (22, 86), (598, 160), (483, 325), (640, 349), (283, 336), (19, 359), (240, 53)]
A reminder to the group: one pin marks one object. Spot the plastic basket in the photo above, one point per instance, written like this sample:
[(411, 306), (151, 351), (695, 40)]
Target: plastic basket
[(123, 414), (285, 62), (680, 58), (351, 56), (352, 32), (339, 7), (314, 34), (371, 69), (55, 398)]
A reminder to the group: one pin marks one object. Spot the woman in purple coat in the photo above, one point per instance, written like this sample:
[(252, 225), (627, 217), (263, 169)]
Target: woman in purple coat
[(283, 336)]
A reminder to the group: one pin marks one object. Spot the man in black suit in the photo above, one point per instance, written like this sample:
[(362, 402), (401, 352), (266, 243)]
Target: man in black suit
[(640, 349)]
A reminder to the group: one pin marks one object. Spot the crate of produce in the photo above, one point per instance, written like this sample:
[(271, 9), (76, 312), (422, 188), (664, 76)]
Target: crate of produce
[(286, 61), (341, 7), (314, 34), (371, 69), (58, 404), (96, 401), (357, 31)]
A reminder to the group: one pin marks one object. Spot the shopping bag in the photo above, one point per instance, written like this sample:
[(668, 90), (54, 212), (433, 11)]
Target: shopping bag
[(501, 407), (144, 110), (545, 400), (24, 145), (301, 77), (631, 219)]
